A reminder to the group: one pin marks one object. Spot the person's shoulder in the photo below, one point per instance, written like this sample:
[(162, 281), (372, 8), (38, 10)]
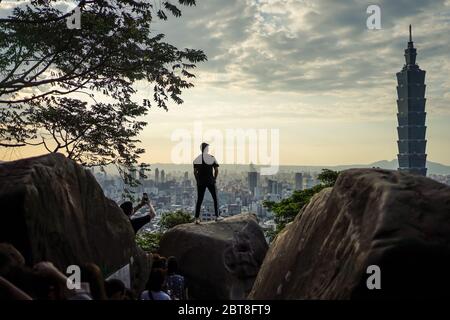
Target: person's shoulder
[(177, 277), (198, 159), (209, 158), (214, 161), (164, 296), (144, 295)]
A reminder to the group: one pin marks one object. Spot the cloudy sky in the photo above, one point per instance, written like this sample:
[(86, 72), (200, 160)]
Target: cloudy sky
[(312, 70)]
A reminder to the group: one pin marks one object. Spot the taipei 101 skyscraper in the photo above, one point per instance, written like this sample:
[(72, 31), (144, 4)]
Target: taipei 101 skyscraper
[(411, 114)]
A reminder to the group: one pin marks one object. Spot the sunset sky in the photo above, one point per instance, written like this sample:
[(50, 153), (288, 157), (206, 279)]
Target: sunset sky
[(312, 70)]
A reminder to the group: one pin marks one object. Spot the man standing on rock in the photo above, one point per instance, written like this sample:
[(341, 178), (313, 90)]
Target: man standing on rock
[(204, 165)]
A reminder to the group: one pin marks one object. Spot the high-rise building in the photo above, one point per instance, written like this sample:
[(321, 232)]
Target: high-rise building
[(298, 181), (280, 188), (163, 176), (411, 114), (253, 182), (272, 186), (186, 176), (156, 175)]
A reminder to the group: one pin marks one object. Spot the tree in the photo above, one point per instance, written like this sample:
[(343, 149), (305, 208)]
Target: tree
[(328, 177), (287, 209), (52, 77), (114, 48), (149, 241), (99, 134), (172, 219)]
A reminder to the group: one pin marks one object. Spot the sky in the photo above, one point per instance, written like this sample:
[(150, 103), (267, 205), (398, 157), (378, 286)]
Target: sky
[(310, 70)]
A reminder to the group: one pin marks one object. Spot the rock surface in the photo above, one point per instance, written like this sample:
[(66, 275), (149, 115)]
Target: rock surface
[(396, 221), (220, 260), (53, 209)]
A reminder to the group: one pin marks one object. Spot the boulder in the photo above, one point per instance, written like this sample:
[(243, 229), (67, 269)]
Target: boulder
[(220, 260), (397, 222), (53, 209)]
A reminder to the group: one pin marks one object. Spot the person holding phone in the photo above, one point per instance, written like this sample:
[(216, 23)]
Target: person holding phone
[(138, 223)]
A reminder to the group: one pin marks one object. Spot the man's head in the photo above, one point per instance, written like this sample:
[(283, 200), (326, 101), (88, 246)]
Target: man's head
[(127, 208), (204, 147), (156, 280), (115, 289)]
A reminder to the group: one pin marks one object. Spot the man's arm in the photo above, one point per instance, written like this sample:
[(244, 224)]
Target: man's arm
[(138, 223), (196, 173), (216, 172), (140, 205), (151, 210)]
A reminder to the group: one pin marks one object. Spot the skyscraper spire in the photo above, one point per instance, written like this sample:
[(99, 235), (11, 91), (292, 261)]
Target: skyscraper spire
[(410, 52), (410, 33)]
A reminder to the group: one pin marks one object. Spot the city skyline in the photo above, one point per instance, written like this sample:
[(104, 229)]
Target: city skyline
[(311, 69)]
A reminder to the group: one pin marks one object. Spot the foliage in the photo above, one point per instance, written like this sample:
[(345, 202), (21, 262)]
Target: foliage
[(328, 177), (149, 241), (74, 90), (287, 209), (172, 219)]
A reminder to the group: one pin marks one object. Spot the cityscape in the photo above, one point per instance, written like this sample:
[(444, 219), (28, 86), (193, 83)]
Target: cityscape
[(241, 189), (239, 192)]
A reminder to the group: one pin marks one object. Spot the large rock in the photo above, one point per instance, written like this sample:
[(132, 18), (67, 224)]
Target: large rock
[(220, 260), (53, 209), (396, 221)]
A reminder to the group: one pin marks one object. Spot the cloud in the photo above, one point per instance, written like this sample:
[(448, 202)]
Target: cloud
[(317, 47)]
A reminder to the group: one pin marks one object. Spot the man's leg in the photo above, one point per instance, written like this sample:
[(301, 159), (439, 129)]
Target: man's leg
[(200, 194), (213, 190)]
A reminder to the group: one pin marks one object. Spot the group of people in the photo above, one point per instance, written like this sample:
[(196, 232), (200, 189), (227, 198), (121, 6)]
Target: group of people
[(165, 283), (44, 281)]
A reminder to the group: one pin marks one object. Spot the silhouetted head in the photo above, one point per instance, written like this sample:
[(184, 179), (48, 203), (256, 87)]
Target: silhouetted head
[(159, 263), (92, 274), (115, 289), (172, 265), (204, 147), (127, 208), (156, 280)]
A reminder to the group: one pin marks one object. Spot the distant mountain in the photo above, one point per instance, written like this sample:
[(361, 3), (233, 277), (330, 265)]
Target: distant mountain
[(433, 167)]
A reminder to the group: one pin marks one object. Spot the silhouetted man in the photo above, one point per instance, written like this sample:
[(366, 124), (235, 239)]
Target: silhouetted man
[(204, 165)]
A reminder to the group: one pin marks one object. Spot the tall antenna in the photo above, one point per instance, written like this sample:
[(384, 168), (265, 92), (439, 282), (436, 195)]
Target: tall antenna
[(410, 33)]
